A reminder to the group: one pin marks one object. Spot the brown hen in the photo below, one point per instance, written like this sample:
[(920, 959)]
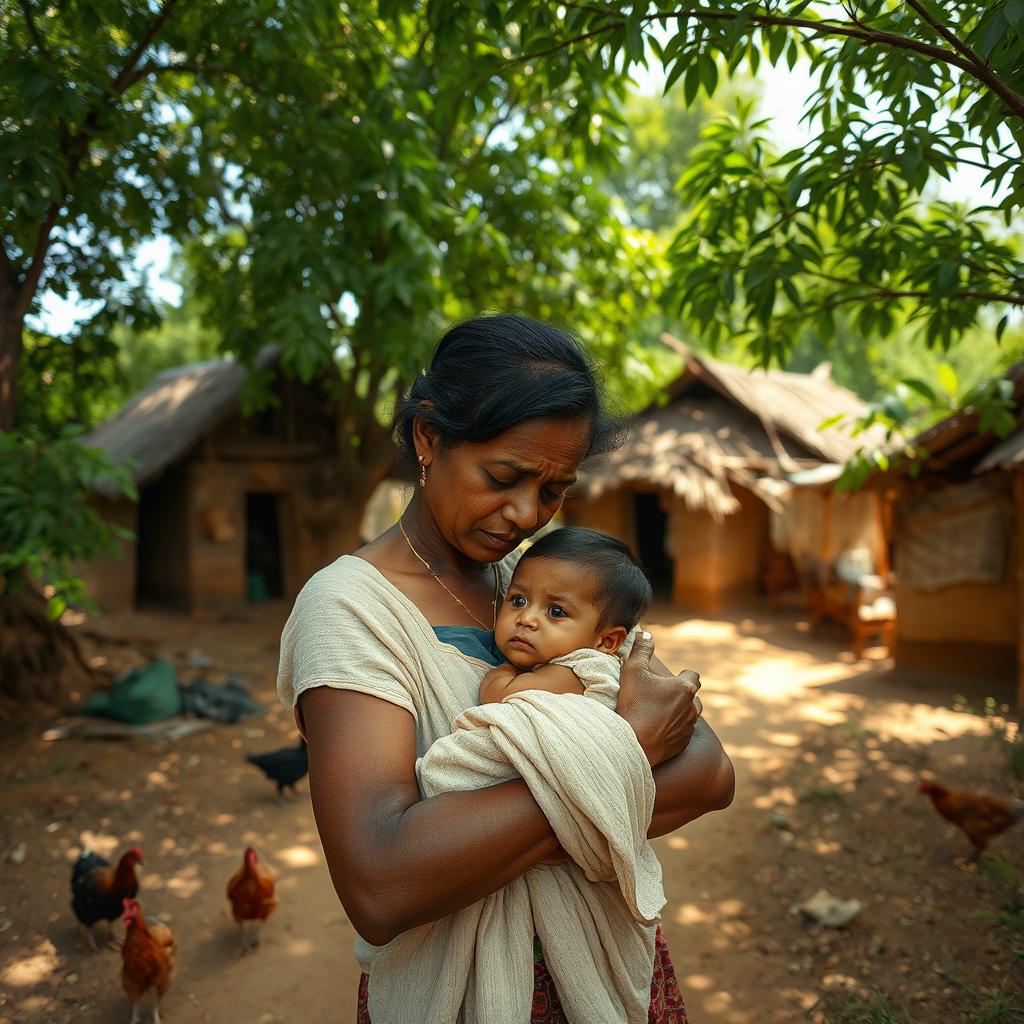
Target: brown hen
[(979, 816), (147, 959), (251, 892)]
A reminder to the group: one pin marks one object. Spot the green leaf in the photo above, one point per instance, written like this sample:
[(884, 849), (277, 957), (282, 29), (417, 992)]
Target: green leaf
[(947, 379)]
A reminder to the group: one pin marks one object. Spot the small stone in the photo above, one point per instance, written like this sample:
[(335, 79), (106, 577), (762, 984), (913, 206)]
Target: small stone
[(17, 855), (71, 979), (919, 997), (54, 826)]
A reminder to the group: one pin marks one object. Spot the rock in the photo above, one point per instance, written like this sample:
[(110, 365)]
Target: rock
[(17, 855), (829, 910), (779, 820)]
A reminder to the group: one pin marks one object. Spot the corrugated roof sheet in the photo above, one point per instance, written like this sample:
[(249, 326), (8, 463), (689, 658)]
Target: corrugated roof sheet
[(160, 423)]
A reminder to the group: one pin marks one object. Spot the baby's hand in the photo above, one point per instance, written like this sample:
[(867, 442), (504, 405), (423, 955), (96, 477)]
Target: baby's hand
[(494, 685)]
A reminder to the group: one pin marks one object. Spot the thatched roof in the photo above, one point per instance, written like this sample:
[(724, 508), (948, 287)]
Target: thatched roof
[(1009, 453), (728, 426), (694, 448), (160, 423), (956, 447), (793, 404)]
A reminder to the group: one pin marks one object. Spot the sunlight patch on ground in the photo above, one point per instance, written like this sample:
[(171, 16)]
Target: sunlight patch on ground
[(298, 856), (32, 969), (690, 913), (300, 947), (99, 842), (676, 842), (774, 797), (701, 982)]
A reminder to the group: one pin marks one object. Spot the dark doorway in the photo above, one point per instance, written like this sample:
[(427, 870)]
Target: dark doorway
[(651, 526), (264, 576), (162, 555)]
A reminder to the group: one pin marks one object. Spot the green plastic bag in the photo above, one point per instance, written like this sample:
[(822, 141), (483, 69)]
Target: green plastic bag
[(143, 695)]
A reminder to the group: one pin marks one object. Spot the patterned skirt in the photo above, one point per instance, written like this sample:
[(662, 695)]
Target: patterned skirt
[(666, 999)]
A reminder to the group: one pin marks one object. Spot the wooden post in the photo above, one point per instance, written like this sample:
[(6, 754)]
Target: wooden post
[(1018, 545)]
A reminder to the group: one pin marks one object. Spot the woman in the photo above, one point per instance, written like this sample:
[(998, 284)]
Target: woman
[(385, 648)]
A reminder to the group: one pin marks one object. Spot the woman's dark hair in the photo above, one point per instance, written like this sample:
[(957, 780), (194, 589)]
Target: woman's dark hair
[(623, 590), (492, 372)]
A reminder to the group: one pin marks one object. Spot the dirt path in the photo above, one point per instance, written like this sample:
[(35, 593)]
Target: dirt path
[(830, 748)]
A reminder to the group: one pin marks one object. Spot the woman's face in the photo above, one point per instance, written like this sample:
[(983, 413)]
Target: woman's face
[(486, 497)]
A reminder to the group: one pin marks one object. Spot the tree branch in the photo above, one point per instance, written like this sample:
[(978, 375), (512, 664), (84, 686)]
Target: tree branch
[(1013, 101), (950, 37), (73, 148), (33, 30), (8, 271), (122, 81)]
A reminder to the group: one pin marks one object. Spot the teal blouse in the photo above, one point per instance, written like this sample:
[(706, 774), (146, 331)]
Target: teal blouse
[(471, 640)]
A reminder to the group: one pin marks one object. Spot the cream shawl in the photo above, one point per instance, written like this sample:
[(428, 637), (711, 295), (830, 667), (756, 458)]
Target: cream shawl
[(594, 915)]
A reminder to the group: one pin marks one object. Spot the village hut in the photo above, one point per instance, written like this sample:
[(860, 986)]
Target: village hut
[(701, 492), (231, 507), (957, 500)]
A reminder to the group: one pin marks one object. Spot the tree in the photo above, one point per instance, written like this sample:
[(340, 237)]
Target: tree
[(343, 185), (906, 94)]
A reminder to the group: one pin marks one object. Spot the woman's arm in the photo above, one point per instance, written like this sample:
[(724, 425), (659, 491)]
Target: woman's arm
[(398, 861), (698, 780), (689, 783)]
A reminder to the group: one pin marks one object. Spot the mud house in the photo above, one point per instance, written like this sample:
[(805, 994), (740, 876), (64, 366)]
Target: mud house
[(231, 507), (701, 489), (958, 545)]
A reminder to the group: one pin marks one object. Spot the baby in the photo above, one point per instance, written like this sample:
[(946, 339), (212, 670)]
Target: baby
[(573, 589)]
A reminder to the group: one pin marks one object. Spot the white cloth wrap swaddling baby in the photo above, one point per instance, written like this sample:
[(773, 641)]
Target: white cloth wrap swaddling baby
[(595, 914)]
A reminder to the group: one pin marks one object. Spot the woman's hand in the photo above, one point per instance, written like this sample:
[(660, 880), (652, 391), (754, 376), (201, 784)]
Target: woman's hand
[(662, 709)]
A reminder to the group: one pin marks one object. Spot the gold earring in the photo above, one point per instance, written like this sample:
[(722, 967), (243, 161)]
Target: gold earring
[(423, 473)]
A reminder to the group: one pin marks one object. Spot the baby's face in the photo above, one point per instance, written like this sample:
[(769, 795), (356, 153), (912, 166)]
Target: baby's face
[(550, 610)]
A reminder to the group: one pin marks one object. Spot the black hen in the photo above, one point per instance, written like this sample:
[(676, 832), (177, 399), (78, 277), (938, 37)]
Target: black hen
[(98, 890), (283, 767)]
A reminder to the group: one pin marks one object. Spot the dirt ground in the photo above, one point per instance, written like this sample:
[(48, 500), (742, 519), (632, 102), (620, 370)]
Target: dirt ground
[(827, 753)]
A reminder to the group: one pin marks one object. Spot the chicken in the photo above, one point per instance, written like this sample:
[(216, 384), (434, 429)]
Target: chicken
[(979, 816), (98, 890), (284, 767), (251, 892), (147, 959)]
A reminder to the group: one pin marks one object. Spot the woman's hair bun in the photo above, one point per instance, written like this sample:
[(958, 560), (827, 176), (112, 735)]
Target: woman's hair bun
[(491, 372)]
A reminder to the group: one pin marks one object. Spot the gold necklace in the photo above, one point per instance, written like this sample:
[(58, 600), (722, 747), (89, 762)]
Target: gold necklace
[(494, 603)]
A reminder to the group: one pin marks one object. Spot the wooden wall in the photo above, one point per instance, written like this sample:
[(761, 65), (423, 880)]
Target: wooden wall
[(109, 580)]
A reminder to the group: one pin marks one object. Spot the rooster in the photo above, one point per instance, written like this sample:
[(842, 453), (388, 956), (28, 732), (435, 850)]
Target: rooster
[(147, 959), (251, 892), (98, 890), (979, 816), (283, 767)]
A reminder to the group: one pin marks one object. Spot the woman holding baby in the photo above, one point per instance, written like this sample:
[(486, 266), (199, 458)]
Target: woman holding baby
[(385, 652)]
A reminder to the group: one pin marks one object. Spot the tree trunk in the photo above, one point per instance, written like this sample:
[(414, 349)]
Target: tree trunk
[(12, 323), (39, 659)]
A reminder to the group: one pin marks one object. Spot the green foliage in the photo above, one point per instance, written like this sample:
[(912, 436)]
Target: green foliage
[(660, 132), (852, 1007), (45, 521), (1005, 735), (850, 228)]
